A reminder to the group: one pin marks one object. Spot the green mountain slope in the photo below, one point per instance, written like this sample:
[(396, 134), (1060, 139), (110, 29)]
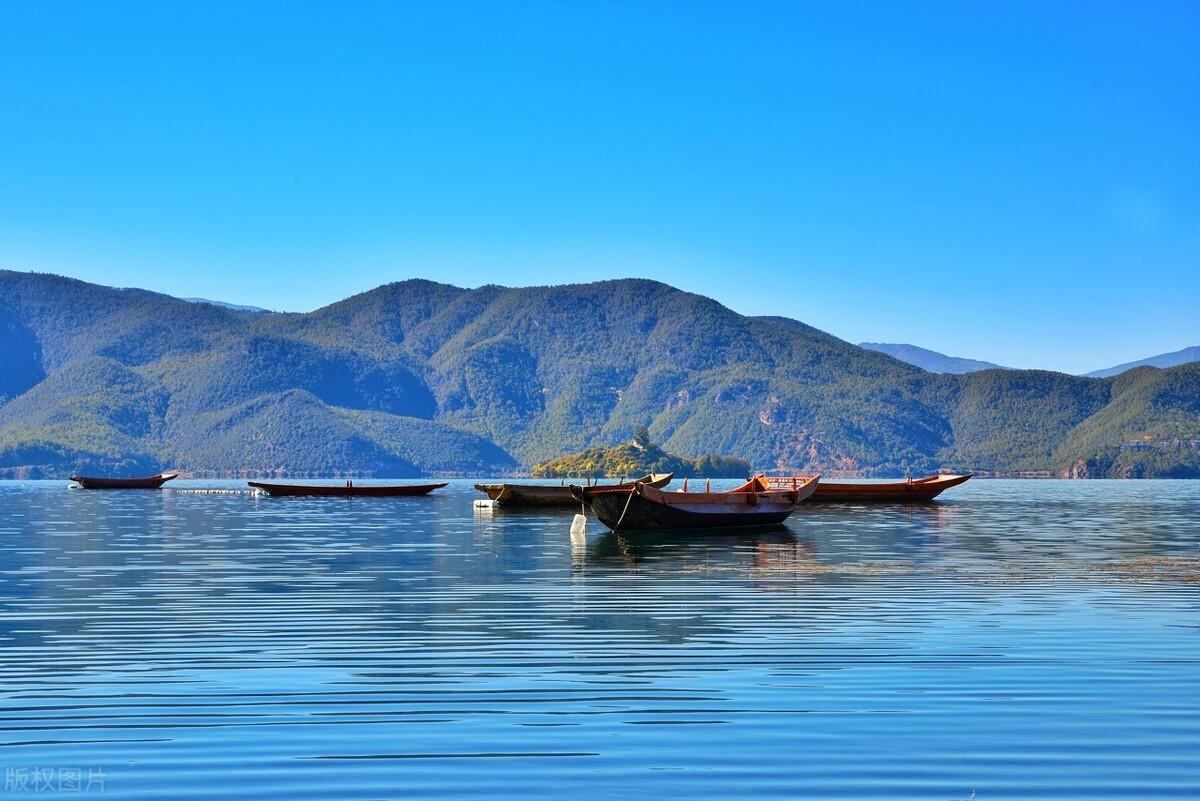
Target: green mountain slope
[(1011, 420), (1148, 428), (91, 414), (419, 377)]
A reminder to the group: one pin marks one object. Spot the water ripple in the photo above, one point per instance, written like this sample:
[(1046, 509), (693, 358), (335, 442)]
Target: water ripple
[(1019, 640)]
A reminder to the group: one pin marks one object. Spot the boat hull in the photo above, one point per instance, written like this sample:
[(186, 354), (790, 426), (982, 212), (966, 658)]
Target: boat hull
[(646, 509), (144, 482), (344, 491), (527, 495), (920, 490), (550, 495), (627, 511)]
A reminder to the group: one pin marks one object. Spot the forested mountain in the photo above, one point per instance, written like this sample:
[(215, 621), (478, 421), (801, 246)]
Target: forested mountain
[(419, 377), (929, 360)]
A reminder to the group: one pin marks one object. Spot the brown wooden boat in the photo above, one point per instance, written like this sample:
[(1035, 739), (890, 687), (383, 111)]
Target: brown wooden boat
[(144, 482), (550, 495), (644, 508), (910, 490), (349, 489)]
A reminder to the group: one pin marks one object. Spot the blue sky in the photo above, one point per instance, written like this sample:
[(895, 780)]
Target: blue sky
[(1016, 182)]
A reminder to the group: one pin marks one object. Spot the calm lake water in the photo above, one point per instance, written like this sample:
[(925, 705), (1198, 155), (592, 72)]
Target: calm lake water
[(1034, 639)]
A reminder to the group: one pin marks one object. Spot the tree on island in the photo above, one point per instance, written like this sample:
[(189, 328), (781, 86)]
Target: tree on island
[(641, 438), (638, 456)]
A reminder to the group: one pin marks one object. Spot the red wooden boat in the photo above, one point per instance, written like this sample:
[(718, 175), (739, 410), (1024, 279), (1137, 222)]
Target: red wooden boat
[(910, 490), (644, 508), (349, 489), (143, 482)]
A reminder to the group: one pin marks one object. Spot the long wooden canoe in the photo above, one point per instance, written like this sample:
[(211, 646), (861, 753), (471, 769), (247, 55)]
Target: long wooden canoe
[(643, 508), (910, 490), (550, 495), (346, 490), (143, 482)]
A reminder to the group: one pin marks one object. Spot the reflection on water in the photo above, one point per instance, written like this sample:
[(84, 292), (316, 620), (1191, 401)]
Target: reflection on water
[(1015, 639), (758, 547)]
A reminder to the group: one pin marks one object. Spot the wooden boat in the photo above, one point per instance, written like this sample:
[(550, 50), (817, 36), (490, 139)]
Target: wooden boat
[(144, 482), (349, 489), (910, 490), (550, 495), (644, 508)]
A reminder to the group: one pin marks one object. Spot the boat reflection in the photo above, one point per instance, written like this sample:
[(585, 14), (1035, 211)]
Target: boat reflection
[(771, 547)]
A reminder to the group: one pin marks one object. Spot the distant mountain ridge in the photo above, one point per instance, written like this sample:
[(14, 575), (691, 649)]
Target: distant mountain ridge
[(417, 377), (930, 360), (936, 362), (1172, 359), (222, 304)]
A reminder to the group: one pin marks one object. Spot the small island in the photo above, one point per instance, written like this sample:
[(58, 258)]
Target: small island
[(638, 457)]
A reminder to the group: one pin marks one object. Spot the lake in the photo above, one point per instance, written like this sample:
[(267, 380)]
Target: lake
[(1015, 639)]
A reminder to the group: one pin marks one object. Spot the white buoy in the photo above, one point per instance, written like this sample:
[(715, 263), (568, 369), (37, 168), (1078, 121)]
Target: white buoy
[(485, 505), (579, 526)]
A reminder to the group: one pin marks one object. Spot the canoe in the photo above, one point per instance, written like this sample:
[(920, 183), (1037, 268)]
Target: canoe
[(910, 490), (346, 490), (643, 508), (144, 482), (550, 495)]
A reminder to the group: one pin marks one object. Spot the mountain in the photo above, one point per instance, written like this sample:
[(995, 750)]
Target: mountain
[(1172, 359), (418, 377), (930, 360)]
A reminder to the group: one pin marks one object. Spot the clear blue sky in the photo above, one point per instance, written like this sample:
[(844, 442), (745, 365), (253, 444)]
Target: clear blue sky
[(1012, 182)]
